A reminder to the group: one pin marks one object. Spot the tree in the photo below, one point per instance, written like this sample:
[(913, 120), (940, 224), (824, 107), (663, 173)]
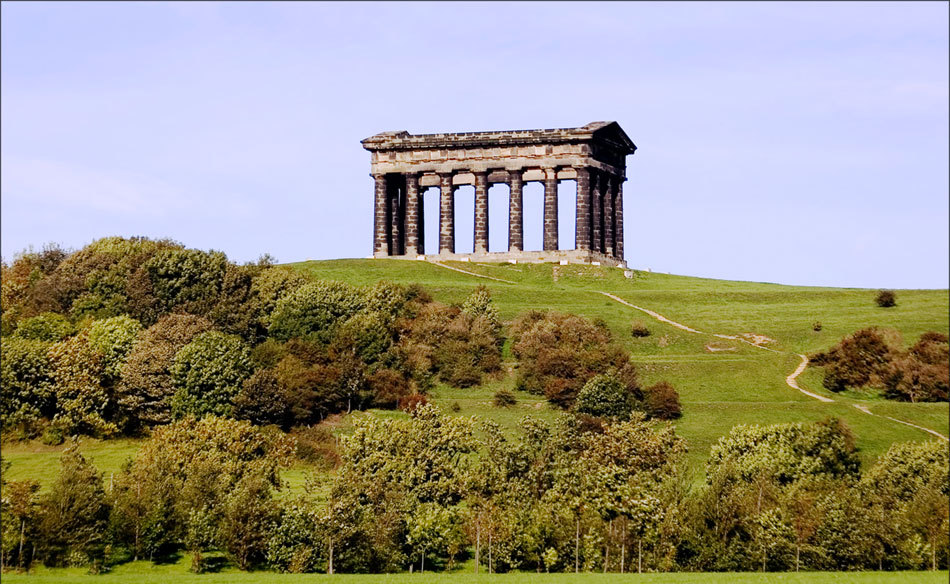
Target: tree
[(26, 384), (20, 503), (207, 374), (786, 453), (188, 279), (83, 405), (175, 488), (145, 389), (313, 310), (74, 513), (246, 515), (264, 400), (113, 338), (49, 326)]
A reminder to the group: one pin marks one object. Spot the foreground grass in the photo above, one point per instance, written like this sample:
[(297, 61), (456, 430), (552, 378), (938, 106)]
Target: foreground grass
[(145, 573)]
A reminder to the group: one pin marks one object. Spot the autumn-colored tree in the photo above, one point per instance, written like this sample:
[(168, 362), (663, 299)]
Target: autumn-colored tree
[(145, 389), (83, 405)]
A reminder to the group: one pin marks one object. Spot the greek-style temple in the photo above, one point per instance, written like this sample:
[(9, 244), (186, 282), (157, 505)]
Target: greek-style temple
[(405, 165)]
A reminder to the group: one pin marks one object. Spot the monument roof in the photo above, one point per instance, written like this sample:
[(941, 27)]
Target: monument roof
[(609, 132)]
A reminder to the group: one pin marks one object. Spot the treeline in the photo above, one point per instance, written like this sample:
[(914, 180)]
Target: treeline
[(126, 335), (431, 490), (874, 358)]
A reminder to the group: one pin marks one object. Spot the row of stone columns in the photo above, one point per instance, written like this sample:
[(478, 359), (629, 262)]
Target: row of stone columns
[(399, 214)]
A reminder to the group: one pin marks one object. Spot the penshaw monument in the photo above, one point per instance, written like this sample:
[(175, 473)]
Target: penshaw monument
[(403, 166)]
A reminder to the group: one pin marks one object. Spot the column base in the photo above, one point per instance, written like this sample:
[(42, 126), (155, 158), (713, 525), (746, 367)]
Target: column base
[(571, 256)]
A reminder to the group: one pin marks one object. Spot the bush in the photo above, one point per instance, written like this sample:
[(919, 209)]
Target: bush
[(264, 400), (412, 401), (560, 352), (605, 396), (638, 329), (662, 401), (886, 298), (922, 373), (859, 360), (816, 326), (504, 398)]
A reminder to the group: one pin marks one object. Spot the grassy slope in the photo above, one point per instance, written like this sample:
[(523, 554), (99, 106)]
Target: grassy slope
[(718, 390)]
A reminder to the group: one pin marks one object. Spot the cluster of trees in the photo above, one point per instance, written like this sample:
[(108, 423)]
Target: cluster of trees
[(575, 364), (875, 358), (430, 490), (126, 335)]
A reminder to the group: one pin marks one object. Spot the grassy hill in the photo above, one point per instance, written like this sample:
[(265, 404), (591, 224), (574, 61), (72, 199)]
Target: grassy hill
[(718, 389), (739, 384)]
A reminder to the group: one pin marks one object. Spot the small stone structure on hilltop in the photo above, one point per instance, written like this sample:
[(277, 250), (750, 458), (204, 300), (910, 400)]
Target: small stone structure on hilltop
[(405, 165)]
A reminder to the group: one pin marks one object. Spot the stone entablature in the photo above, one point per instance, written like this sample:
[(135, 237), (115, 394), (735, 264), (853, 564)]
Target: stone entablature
[(403, 165)]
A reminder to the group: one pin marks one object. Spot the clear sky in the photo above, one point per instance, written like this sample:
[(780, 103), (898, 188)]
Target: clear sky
[(800, 143)]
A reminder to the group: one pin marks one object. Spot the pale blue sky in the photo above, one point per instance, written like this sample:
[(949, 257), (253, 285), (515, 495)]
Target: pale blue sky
[(801, 143)]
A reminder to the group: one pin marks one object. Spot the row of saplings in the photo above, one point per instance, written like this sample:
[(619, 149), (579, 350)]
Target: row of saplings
[(125, 336), (431, 491)]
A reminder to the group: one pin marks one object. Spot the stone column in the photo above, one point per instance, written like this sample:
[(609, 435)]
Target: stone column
[(413, 215), (608, 217), (515, 220), (481, 212), (446, 214), (381, 217), (582, 210), (617, 185), (596, 232), (397, 215), (550, 210)]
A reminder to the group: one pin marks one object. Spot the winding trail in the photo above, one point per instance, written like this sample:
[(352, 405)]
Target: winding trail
[(471, 273), (791, 380)]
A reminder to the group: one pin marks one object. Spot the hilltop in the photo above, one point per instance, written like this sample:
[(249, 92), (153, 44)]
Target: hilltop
[(731, 382)]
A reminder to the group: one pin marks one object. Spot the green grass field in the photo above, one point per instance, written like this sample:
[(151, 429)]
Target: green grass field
[(718, 389), (146, 573)]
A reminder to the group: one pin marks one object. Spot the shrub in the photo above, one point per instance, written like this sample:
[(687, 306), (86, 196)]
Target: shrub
[(886, 298), (860, 359), (816, 326), (388, 387), (638, 329), (662, 401), (504, 398), (412, 401), (559, 353), (922, 373), (605, 396), (317, 445)]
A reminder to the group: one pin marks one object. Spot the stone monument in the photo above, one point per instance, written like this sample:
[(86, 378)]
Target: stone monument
[(404, 165)]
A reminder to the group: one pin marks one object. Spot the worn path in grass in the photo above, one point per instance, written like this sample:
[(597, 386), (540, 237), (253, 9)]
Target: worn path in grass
[(792, 378)]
